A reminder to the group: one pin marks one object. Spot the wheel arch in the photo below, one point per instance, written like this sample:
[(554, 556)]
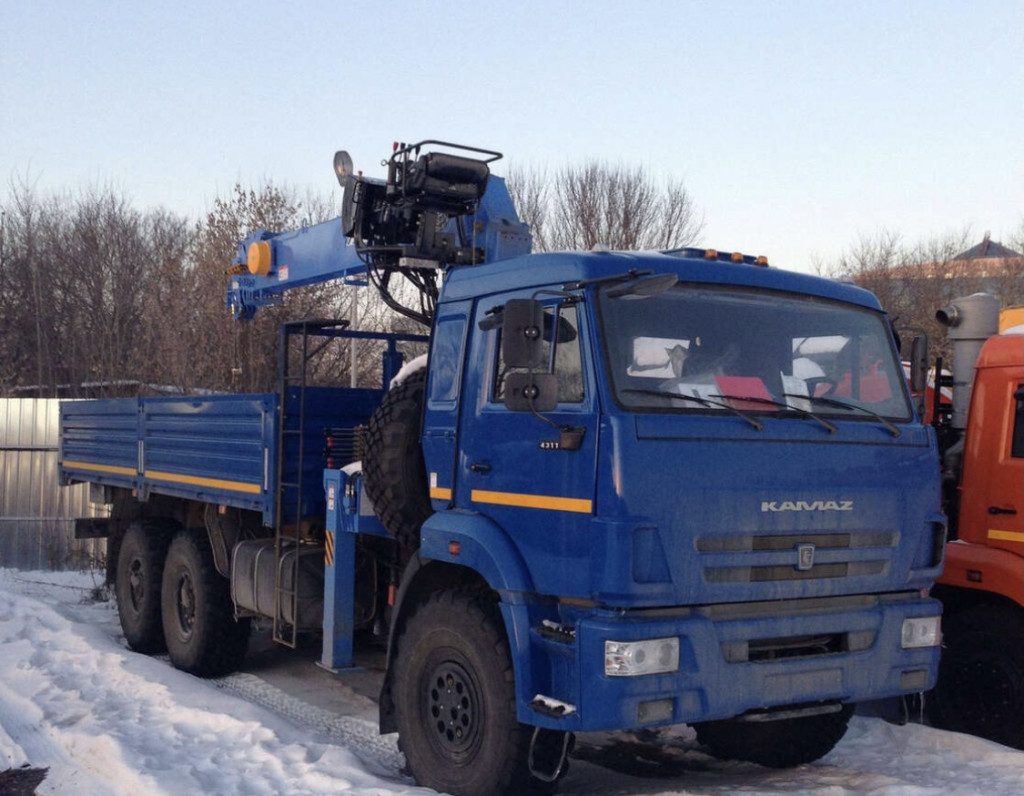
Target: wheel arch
[(975, 568), (421, 578), (955, 599), (458, 550), (477, 543), (174, 513)]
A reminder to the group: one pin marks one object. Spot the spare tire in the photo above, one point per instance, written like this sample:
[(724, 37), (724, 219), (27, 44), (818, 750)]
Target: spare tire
[(393, 466)]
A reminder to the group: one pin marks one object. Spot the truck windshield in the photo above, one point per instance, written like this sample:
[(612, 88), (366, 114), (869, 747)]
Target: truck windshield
[(699, 348)]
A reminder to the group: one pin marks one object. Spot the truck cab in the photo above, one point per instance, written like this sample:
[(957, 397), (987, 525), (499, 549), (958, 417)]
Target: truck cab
[(981, 679), (696, 489)]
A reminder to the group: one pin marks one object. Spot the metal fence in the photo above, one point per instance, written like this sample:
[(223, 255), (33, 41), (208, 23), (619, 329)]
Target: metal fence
[(36, 514)]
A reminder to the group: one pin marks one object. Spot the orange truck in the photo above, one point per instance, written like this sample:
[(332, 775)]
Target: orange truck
[(980, 689)]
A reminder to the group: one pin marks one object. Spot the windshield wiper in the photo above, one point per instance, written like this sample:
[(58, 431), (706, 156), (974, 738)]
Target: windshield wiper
[(825, 401), (830, 427), (757, 424)]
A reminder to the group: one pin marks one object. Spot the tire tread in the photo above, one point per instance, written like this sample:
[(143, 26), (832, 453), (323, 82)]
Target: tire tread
[(219, 642)]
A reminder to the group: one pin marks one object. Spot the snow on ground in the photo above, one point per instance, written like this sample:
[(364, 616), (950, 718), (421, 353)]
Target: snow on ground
[(104, 720)]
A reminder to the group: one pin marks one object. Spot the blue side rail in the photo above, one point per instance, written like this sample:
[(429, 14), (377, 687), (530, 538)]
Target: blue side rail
[(216, 449)]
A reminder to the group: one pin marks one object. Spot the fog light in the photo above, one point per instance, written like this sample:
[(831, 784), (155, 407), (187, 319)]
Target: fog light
[(914, 681), (922, 631), (655, 710), (636, 658)]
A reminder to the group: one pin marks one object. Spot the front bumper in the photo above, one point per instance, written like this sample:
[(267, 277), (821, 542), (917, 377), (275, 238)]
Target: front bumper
[(732, 659)]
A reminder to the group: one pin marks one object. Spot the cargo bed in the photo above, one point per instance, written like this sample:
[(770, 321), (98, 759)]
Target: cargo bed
[(221, 449)]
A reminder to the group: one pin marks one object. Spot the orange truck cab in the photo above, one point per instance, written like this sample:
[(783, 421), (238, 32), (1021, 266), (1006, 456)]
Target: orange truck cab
[(981, 675)]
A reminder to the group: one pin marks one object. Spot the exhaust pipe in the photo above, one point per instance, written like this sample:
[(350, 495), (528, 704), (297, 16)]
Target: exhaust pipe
[(971, 321)]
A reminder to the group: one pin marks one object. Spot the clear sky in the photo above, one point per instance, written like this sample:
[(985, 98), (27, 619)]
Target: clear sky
[(797, 126)]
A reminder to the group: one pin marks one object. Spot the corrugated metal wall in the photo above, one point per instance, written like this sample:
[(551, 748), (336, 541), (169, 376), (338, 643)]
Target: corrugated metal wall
[(36, 515)]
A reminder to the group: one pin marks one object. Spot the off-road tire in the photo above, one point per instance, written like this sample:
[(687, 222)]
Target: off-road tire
[(202, 635), (396, 476), (980, 689), (455, 702), (140, 566), (776, 744)]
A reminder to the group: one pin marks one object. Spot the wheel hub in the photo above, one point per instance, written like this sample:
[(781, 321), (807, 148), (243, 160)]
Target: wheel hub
[(186, 604), (136, 584), (453, 707)]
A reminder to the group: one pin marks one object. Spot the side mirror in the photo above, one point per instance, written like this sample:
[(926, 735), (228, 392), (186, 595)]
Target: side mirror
[(349, 204), (919, 364), (522, 343), (919, 374), (531, 392)]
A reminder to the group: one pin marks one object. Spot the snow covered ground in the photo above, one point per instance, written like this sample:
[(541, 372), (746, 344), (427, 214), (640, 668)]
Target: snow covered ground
[(104, 720)]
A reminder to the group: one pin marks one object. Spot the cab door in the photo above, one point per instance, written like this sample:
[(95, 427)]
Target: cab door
[(443, 402), (533, 473), (992, 501), (1004, 502)]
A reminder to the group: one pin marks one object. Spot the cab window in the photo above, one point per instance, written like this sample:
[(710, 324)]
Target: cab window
[(1017, 447)]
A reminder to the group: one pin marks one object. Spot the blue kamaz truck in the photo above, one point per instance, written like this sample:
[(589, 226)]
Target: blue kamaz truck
[(623, 490)]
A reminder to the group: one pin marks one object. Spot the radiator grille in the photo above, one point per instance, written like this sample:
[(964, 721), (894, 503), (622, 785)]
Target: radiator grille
[(770, 558)]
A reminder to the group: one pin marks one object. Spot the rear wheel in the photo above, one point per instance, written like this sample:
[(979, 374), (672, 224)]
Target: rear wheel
[(980, 689), (140, 565), (455, 701), (202, 635), (777, 744)]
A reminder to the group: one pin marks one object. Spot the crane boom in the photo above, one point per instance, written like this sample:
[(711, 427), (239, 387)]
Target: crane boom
[(435, 210)]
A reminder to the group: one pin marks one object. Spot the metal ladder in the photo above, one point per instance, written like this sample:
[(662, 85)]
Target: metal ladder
[(289, 493)]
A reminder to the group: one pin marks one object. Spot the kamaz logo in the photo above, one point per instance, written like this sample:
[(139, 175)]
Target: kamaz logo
[(806, 505), (805, 557)]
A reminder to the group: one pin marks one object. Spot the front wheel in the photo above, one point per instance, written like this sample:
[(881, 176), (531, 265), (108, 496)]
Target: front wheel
[(783, 743), (980, 689), (202, 635), (455, 701)]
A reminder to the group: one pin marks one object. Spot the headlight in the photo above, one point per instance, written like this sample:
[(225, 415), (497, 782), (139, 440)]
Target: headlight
[(923, 631), (636, 658)]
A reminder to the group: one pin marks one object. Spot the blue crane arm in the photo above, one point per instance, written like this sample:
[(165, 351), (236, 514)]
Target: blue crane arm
[(306, 256), (410, 224)]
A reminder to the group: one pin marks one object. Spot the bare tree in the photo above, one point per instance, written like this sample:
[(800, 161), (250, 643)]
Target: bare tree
[(913, 281), (1011, 276), (77, 273), (603, 204), (243, 355), (23, 343), (530, 191), (169, 302)]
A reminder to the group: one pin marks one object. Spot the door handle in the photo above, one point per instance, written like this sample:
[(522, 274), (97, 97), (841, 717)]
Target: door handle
[(480, 467), (1000, 510)]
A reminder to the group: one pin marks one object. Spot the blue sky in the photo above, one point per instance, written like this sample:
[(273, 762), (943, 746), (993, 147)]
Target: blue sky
[(797, 126)]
